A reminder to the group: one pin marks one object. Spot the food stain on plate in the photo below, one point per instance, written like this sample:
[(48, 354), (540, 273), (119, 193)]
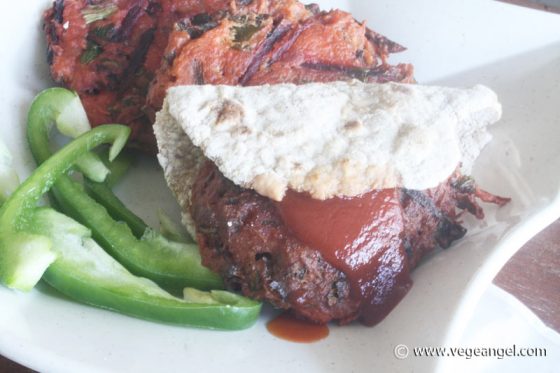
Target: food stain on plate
[(287, 327)]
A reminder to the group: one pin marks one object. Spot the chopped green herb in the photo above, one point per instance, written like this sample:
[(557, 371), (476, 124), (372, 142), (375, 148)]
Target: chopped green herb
[(103, 32), (245, 33), (94, 13), (92, 51)]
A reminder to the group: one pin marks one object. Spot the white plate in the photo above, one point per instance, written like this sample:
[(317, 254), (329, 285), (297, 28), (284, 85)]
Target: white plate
[(501, 321), (514, 50)]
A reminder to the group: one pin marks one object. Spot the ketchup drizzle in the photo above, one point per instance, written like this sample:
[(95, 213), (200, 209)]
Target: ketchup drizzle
[(362, 237)]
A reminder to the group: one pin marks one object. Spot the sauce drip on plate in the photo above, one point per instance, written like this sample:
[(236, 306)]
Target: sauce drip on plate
[(362, 237), (291, 329)]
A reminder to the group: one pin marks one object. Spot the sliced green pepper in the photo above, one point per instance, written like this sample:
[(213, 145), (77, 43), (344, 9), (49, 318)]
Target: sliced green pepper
[(36, 242), (169, 264), (73, 122), (102, 194), (118, 211), (118, 168), (86, 273), (25, 256)]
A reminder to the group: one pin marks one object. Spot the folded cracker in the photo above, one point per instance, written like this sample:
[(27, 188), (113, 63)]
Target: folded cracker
[(180, 160), (327, 139)]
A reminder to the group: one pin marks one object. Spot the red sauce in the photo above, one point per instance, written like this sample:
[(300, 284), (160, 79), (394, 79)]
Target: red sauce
[(291, 329), (360, 236)]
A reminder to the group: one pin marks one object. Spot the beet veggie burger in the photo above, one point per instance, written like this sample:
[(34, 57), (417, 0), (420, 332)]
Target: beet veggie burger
[(321, 198), (120, 56)]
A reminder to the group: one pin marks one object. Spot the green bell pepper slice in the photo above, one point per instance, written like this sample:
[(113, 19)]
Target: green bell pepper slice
[(103, 195), (40, 242), (25, 256), (169, 264), (85, 272)]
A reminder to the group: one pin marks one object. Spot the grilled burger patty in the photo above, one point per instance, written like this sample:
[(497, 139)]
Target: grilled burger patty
[(242, 237)]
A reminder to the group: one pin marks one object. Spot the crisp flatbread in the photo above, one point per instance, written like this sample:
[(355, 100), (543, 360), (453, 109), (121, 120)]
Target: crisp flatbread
[(326, 139)]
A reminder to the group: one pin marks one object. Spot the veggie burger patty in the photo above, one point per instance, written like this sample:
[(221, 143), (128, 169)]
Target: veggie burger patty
[(121, 55)]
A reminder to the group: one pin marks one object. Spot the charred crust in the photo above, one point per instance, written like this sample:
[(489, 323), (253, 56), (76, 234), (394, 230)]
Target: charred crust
[(289, 42), (170, 57), (464, 184), (125, 30), (422, 199), (197, 25), (137, 58), (198, 72), (359, 54), (274, 36), (448, 231), (58, 11), (201, 19), (408, 249), (383, 43), (153, 8), (313, 8), (469, 204), (52, 34), (50, 56)]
